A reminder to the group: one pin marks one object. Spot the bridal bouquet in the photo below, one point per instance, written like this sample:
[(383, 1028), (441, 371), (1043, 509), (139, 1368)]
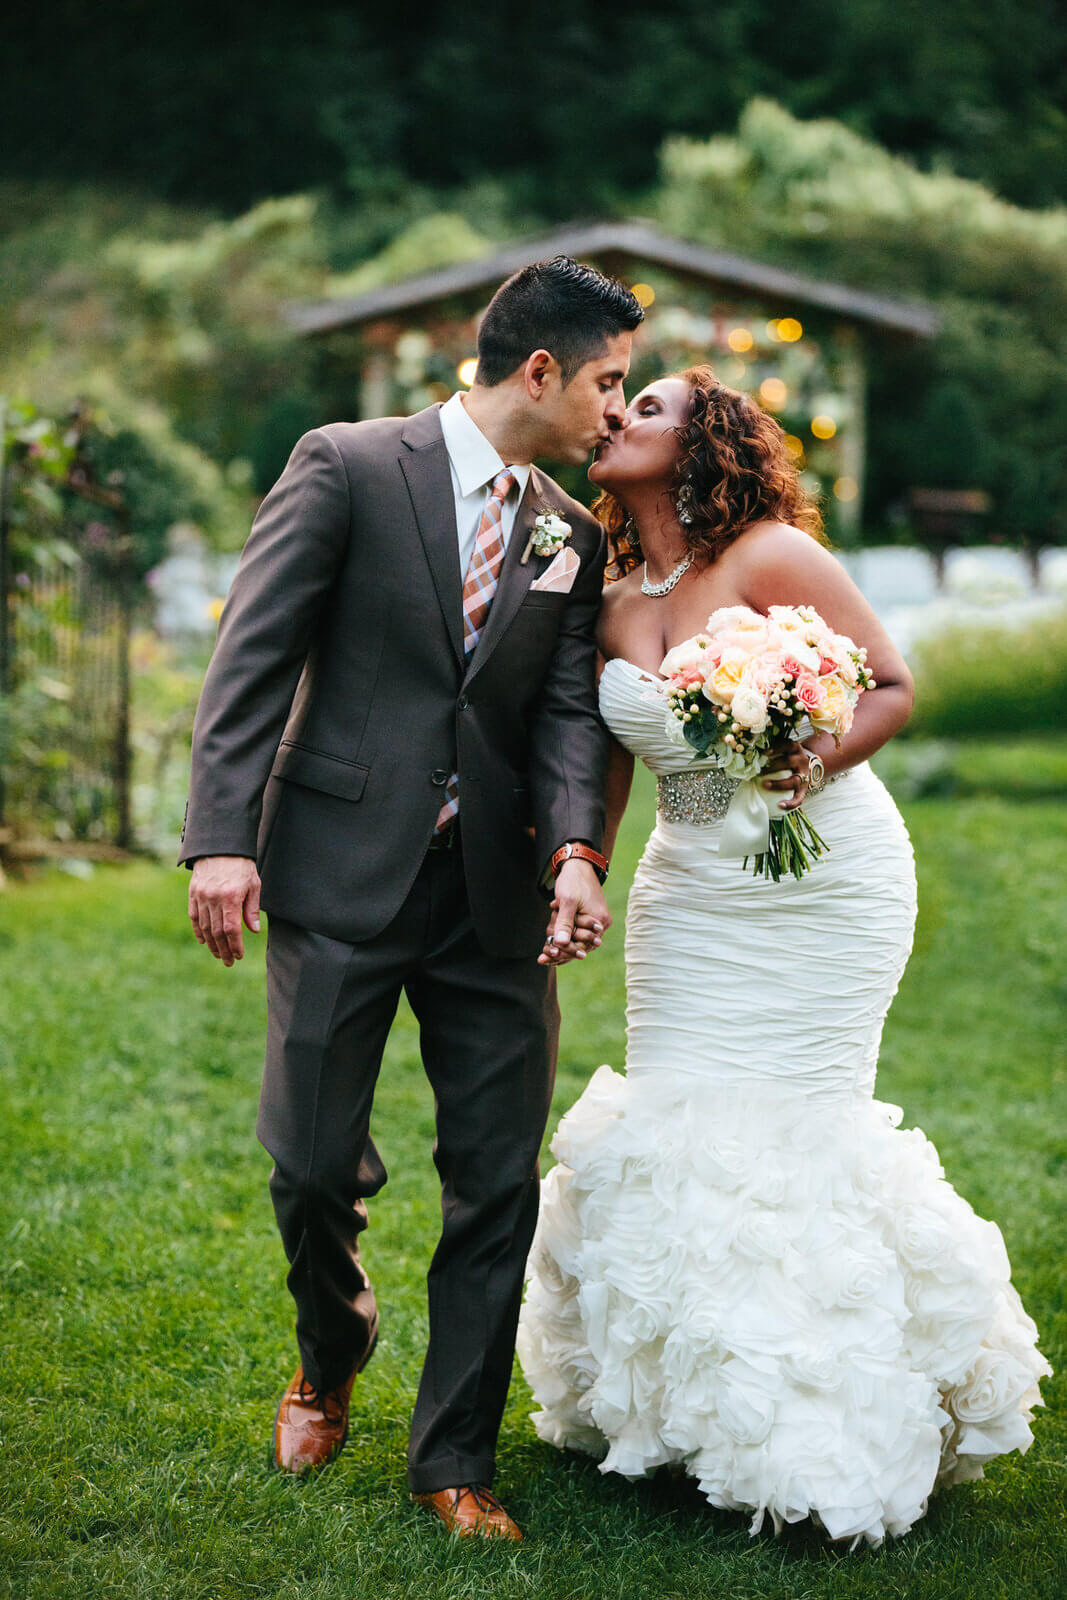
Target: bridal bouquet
[(741, 692)]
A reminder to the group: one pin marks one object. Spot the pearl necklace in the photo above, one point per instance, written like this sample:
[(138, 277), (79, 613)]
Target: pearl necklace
[(656, 589)]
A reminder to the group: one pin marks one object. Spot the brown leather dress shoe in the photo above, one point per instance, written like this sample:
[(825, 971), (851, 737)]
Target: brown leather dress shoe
[(311, 1425), (470, 1509)]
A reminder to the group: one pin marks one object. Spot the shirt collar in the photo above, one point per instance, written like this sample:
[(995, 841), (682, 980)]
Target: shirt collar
[(475, 461)]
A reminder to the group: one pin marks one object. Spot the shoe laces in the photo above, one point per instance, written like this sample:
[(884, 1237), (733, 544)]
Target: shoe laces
[(484, 1498), (328, 1401)]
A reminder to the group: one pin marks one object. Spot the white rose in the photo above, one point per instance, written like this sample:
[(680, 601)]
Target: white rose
[(853, 1280), (749, 708), (554, 526), (996, 1383), (730, 1158), (842, 653), (674, 728), (739, 766), (816, 1367), (759, 1236), (690, 653), (922, 1238), (729, 618), (745, 1410)]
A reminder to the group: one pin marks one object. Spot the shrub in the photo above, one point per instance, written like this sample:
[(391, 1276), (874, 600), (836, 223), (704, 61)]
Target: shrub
[(988, 680)]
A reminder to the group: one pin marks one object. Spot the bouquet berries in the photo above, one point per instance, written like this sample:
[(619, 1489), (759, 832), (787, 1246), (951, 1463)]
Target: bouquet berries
[(741, 692)]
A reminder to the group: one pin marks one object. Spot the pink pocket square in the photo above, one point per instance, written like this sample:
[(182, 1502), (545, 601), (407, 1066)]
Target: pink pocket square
[(558, 577)]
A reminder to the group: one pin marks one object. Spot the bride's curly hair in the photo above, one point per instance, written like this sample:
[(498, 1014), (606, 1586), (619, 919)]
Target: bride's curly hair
[(734, 459)]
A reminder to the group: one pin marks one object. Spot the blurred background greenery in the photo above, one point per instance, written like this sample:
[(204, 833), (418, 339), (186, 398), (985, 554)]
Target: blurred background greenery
[(171, 183)]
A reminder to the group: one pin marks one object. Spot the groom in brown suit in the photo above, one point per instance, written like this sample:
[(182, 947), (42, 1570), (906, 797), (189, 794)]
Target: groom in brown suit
[(396, 746)]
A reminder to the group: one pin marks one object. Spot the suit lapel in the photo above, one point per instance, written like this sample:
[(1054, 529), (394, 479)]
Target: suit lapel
[(515, 579), (424, 463)]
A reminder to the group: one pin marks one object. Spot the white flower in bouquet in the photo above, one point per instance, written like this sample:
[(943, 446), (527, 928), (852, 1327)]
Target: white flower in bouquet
[(749, 708), (690, 653)]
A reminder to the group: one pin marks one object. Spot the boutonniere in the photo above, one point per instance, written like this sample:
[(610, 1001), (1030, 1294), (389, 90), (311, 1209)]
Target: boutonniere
[(550, 534)]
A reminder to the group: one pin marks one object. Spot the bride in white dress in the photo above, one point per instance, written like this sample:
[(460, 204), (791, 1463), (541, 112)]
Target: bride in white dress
[(742, 1266)]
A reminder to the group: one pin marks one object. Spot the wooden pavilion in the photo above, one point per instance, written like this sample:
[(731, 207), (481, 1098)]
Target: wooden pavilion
[(800, 345)]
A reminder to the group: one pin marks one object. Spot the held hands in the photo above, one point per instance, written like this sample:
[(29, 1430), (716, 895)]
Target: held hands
[(222, 890), (580, 916)]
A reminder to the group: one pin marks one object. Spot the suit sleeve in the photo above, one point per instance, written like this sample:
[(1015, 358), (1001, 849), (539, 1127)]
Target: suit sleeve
[(294, 551), (569, 743)]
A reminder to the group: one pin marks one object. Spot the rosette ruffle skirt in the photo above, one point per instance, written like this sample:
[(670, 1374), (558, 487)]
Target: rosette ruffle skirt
[(742, 1265), (807, 1316)]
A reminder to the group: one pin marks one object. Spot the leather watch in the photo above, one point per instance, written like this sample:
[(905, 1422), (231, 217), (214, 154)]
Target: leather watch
[(575, 851)]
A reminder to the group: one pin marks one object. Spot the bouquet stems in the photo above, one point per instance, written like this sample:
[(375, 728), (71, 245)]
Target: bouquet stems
[(793, 846)]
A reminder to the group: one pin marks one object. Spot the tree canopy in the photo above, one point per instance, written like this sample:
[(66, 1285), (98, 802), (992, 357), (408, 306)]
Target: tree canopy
[(567, 101)]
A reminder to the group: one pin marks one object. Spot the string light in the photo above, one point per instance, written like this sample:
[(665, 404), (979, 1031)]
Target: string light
[(795, 447), (466, 370), (790, 330), (643, 293), (773, 330), (773, 393), (823, 427), (846, 488), (740, 339)]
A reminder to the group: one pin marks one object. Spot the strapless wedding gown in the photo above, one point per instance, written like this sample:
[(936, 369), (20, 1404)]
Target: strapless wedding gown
[(741, 1265)]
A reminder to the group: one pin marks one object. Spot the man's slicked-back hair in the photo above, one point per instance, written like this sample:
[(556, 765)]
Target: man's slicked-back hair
[(560, 306)]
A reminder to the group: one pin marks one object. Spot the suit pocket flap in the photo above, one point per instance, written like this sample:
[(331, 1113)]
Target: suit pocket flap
[(316, 770)]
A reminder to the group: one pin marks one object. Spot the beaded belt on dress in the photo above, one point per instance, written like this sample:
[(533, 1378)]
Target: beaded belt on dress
[(698, 796), (694, 796)]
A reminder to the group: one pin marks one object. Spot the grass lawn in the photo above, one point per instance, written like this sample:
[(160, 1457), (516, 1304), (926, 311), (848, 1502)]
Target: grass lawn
[(145, 1328)]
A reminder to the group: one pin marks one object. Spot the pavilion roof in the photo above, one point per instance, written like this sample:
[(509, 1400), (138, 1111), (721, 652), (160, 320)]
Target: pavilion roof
[(637, 240)]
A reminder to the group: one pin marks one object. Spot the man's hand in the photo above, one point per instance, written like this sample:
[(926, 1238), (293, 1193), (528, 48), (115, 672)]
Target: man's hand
[(222, 890), (580, 915)]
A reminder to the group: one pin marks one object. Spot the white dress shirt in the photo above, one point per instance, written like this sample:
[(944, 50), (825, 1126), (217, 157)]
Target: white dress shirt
[(474, 464)]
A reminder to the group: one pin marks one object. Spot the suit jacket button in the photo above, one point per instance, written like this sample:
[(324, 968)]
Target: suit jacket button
[(439, 776), (464, 702)]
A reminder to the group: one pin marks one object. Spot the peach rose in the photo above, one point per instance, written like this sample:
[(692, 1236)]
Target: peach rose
[(725, 680), (834, 705), (763, 673), (809, 692)]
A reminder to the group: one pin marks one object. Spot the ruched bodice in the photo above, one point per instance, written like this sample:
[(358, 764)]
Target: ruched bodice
[(633, 706), (742, 1263)]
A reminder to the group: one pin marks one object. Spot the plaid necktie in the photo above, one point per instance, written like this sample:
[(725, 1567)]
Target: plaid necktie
[(479, 587)]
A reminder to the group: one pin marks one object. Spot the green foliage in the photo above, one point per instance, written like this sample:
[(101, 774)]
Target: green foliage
[(977, 681), (984, 405), (147, 1331), (1019, 767), (173, 335), (567, 108), (167, 680), (440, 240)]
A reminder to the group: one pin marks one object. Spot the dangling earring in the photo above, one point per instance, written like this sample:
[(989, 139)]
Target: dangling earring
[(630, 534), (683, 504)]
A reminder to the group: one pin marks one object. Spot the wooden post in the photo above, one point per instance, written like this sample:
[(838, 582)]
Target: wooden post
[(853, 370), (124, 575), (375, 390)]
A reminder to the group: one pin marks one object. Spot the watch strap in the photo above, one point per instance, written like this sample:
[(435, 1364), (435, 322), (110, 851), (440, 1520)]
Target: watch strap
[(574, 851)]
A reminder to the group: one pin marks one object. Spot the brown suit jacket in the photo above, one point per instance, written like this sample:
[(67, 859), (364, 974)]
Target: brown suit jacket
[(337, 701)]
